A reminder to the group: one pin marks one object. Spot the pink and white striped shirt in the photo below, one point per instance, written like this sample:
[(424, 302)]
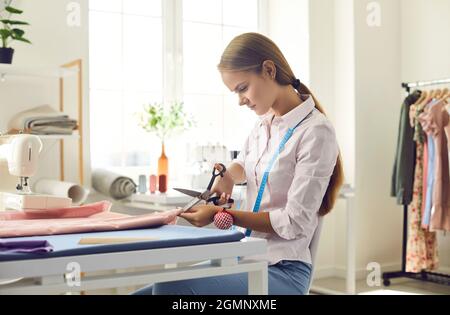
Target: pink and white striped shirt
[(297, 181)]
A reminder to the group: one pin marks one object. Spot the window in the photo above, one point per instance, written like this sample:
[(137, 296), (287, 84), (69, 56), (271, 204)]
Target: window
[(136, 59), (205, 35)]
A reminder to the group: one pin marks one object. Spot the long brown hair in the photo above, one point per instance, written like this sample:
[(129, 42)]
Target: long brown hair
[(247, 52)]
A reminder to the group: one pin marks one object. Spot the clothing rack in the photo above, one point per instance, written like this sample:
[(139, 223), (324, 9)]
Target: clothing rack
[(424, 275), (409, 86)]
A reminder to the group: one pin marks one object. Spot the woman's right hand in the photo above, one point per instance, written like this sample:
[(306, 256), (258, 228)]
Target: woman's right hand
[(223, 186)]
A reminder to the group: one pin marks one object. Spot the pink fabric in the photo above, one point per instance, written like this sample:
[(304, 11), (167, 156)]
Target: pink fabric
[(89, 218), (64, 213)]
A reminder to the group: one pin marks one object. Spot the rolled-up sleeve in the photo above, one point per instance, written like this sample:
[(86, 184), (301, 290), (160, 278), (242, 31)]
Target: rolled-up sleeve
[(316, 158)]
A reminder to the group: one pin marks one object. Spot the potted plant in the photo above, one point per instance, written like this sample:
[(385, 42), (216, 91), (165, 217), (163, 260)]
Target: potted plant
[(9, 31), (163, 122)]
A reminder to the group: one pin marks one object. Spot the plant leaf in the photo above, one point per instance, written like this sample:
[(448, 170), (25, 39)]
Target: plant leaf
[(12, 22), (23, 40), (13, 10), (5, 33), (17, 32)]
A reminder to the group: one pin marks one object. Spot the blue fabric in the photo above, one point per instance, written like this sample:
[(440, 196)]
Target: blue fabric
[(166, 236), (430, 182), (285, 278)]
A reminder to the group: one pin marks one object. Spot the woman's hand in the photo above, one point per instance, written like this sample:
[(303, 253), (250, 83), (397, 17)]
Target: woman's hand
[(201, 215), (223, 186)]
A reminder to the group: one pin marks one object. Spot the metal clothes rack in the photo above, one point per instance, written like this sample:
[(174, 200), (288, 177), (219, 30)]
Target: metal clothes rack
[(424, 275), (409, 86)]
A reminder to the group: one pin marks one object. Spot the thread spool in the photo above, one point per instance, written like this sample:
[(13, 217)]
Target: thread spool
[(142, 184), (162, 183), (153, 183)]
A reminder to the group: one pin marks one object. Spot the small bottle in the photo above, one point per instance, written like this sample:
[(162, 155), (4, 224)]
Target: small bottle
[(162, 183), (152, 183)]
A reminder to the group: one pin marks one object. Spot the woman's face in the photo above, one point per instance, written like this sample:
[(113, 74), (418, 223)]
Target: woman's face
[(257, 91)]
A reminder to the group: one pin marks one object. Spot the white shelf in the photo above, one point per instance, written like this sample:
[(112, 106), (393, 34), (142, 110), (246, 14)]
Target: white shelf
[(75, 135), (59, 137), (35, 71)]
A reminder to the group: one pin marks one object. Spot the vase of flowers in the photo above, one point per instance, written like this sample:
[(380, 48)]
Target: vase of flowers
[(164, 122)]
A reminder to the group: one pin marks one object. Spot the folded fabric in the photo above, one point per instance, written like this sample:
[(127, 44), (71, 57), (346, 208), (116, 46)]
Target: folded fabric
[(112, 184), (89, 218), (57, 213), (43, 120), (29, 246)]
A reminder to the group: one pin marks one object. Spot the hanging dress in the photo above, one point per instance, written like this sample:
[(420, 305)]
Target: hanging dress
[(422, 245)]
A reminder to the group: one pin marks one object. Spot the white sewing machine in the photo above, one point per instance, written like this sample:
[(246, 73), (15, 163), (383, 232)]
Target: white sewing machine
[(22, 155)]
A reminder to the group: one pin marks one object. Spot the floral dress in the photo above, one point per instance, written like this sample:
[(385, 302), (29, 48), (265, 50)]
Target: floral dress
[(421, 251)]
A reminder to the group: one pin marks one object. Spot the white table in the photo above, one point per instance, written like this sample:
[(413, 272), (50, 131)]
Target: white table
[(222, 257)]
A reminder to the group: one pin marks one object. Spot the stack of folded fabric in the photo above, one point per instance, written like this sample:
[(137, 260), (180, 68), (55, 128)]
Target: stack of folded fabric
[(43, 120)]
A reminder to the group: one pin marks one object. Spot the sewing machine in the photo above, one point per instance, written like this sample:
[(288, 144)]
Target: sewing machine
[(22, 155)]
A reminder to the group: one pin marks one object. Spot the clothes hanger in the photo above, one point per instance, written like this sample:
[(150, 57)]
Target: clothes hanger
[(438, 94), (444, 100), (412, 108), (444, 95), (430, 96), (423, 94)]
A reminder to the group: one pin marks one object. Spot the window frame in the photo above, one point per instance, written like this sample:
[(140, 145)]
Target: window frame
[(172, 52), (172, 15)]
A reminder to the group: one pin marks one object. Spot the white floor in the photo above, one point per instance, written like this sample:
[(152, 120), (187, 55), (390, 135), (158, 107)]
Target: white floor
[(397, 287)]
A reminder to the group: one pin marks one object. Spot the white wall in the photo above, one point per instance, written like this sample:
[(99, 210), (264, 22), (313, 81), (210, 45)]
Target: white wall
[(424, 60), (289, 28), (377, 106), (54, 43)]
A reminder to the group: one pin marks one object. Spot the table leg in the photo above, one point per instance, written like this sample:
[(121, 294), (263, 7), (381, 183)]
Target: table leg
[(258, 282)]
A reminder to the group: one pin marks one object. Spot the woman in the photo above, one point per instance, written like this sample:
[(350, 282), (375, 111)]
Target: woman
[(301, 185)]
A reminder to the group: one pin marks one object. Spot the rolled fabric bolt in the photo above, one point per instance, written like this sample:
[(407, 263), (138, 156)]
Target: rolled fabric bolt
[(223, 220), (153, 183), (112, 184), (162, 183)]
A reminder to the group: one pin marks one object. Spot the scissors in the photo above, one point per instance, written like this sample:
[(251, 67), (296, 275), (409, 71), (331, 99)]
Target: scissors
[(207, 194)]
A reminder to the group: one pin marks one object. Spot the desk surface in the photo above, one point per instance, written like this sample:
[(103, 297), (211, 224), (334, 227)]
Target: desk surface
[(164, 237)]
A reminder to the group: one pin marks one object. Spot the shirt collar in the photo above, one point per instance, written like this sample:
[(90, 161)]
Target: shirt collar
[(292, 118)]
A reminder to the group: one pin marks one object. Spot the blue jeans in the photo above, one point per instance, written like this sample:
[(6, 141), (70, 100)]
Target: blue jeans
[(284, 278)]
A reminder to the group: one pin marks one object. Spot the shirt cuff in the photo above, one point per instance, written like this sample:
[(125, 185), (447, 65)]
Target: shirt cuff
[(279, 219)]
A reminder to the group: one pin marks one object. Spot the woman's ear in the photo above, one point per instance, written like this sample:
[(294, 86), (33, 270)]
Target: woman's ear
[(270, 69)]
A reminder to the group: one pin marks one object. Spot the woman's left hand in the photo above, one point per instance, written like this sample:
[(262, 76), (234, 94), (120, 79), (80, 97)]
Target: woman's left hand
[(201, 215)]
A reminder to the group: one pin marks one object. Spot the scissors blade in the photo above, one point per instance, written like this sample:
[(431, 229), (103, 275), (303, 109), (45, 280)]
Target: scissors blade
[(191, 204), (188, 192)]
